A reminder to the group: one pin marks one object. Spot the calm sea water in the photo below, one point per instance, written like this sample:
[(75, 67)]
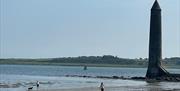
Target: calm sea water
[(20, 77)]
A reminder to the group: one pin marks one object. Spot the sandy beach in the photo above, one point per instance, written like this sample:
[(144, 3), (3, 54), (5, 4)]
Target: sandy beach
[(124, 88), (59, 81)]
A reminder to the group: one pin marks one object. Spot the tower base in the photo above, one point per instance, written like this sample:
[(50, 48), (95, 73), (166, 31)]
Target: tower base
[(154, 72)]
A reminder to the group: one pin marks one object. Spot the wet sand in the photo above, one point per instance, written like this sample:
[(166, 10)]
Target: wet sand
[(124, 88)]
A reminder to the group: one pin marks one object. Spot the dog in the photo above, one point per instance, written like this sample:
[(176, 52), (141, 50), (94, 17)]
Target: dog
[(30, 88)]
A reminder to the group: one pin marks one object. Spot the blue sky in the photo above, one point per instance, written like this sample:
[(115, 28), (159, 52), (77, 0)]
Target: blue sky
[(63, 28)]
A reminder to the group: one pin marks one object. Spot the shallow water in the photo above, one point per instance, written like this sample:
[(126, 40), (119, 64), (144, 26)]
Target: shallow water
[(20, 77), (37, 70)]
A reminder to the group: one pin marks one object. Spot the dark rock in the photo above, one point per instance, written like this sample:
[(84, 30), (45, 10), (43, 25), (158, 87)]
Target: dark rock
[(115, 77)]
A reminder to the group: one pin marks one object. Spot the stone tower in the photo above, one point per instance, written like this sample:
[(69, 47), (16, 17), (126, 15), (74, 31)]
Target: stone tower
[(155, 68)]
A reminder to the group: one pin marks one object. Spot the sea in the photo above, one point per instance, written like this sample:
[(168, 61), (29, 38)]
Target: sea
[(21, 77)]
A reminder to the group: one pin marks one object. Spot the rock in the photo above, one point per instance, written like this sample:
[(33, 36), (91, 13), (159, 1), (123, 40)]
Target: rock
[(115, 77)]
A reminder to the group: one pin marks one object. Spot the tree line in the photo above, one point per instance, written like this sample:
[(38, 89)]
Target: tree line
[(105, 59)]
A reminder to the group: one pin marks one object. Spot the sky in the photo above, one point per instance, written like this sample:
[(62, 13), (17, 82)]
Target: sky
[(71, 28)]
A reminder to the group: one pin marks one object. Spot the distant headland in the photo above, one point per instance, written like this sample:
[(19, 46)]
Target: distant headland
[(100, 61)]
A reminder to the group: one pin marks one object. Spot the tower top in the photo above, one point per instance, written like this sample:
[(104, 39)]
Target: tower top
[(156, 5)]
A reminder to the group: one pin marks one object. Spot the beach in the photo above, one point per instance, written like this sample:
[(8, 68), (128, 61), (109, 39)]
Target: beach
[(67, 78), (124, 88)]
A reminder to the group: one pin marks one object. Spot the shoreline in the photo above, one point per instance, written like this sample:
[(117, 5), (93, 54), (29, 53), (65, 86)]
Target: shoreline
[(123, 85), (142, 79), (91, 65), (158, 79), (117, 88)]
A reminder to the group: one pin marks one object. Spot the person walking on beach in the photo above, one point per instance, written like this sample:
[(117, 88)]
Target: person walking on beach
[(37, 83), (102, 86)]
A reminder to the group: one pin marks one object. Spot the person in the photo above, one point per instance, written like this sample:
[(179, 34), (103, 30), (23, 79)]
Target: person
[(102, 86), (37, 83)]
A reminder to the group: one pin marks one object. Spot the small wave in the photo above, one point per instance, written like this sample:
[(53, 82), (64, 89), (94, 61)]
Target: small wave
[(47, 82), (16, 85), (34, 83), (91, 82)]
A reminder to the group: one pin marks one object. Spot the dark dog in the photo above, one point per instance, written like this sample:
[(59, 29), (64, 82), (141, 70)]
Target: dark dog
[(30, 88)]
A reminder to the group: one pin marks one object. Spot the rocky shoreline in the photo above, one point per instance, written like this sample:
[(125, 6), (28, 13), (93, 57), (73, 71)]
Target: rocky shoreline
[(168, 79)]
